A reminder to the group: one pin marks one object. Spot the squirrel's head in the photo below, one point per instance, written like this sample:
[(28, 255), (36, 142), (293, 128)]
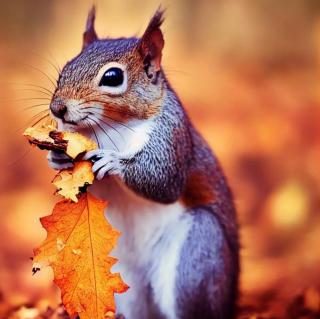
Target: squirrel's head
[(113, 79)]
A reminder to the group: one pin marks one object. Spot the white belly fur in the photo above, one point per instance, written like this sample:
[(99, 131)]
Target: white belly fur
[(148, 249)]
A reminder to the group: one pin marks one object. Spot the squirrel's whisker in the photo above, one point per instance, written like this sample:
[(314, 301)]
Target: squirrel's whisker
[(118, 122), (32, 98), (28, 122), (94, 132), (102, 108), (109, 125), (34, 106), (43, 73), (53, 63), (38, 91), (41, 119), (113, 120), (34, 85), (97, 123), (109, 110), (38, 114)]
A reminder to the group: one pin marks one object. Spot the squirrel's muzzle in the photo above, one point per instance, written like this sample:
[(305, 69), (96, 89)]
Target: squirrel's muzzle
[(58, 109)]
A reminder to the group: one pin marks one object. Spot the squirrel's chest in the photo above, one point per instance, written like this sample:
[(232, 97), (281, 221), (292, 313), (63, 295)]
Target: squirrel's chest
[(148, 249), (142, 223)]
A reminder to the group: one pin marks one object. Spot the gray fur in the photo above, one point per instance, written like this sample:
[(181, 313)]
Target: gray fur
[(209, 266), (87, 64), (159, 172), (205, 284)]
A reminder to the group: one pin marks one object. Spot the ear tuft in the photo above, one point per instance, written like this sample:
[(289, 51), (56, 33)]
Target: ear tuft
[(156, 21), (89, 34), (151, 45)]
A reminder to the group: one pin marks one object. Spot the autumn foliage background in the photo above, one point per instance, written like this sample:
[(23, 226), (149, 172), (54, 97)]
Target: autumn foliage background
[(248, 73)]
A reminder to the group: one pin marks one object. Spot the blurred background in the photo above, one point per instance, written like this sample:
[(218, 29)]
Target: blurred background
[(248, 74)]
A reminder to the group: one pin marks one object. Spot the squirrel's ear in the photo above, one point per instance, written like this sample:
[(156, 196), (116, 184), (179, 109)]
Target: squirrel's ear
[(89, 34), (151, 45)]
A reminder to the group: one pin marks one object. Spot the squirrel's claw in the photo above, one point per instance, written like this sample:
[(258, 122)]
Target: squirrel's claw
[(105, 170), (94, 155), (59, 161), (105, 162)]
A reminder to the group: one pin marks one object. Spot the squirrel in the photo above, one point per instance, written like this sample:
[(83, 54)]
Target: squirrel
[(167, 194)]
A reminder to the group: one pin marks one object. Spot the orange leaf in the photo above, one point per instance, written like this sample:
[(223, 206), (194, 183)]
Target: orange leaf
[(47, 137), (70, 181), (78, 242)]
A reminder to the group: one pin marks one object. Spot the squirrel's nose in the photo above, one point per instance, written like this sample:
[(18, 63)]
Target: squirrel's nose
[(58, 110)]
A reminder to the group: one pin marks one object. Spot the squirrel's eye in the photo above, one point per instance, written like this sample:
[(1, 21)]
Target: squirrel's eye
[(112, 77)]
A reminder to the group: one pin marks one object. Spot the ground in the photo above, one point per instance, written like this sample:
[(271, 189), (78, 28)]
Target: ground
[(265, 306)]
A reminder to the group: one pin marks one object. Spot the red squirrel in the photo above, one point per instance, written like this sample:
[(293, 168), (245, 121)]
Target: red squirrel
[(179, 250)]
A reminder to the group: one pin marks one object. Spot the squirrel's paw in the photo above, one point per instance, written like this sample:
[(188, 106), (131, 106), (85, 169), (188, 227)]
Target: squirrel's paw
[(59, 161), (105, 162)]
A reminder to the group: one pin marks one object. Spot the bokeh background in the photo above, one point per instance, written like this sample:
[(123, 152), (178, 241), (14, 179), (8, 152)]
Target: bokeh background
[(247, 72)]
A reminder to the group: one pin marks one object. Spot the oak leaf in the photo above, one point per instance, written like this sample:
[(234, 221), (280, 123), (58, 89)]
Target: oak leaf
[(78, 242), (69, 182), (78, 144), (47, 137)]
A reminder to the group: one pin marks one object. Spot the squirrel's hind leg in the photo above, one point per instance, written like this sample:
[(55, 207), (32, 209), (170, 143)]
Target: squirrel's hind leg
[(206, 283)]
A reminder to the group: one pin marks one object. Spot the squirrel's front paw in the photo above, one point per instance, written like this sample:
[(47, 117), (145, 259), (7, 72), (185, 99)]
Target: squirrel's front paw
[(59, 161), (105, 162)]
